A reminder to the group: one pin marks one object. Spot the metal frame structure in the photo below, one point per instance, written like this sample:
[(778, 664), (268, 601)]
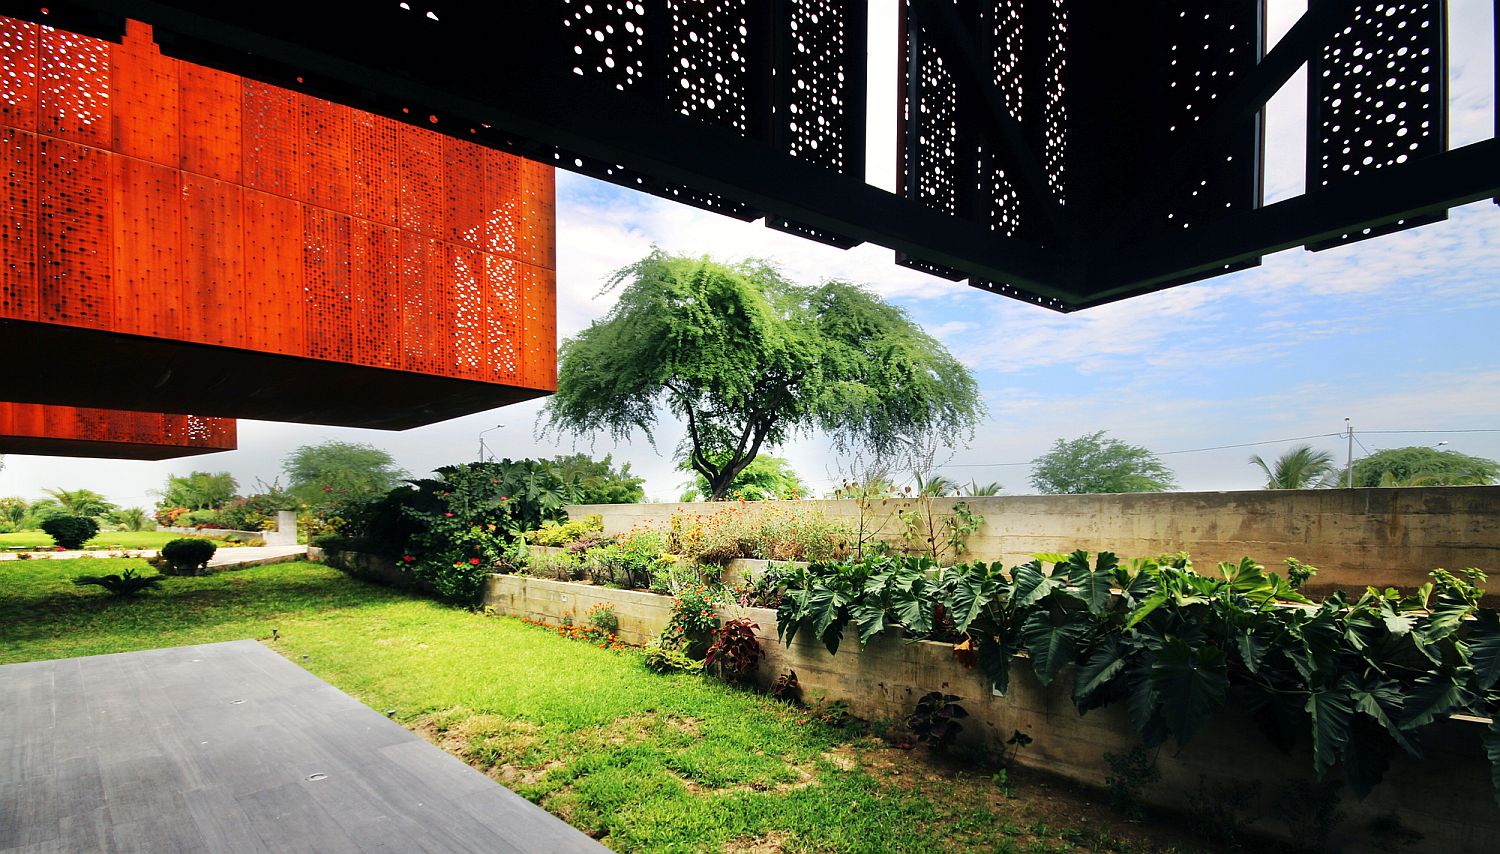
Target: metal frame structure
[(66, 431), (1064, 152)]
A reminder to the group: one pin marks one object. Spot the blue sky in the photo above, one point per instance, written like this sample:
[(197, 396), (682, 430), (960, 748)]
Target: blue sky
[(1397, 333)]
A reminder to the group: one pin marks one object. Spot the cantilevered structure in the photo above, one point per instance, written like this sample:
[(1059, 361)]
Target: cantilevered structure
[(67, 431), (1066, 152)]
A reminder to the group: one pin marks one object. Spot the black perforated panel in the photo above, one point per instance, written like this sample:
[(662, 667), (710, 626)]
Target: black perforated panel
[(1377, 98)]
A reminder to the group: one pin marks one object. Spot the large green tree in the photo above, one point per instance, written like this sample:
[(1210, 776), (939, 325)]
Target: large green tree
[(1422, 466), (764, 479), (82, 502), (586, 480), (321, 474), (748, 359), (13, 510), (199, 490), (1097, 463), (1300, 468)]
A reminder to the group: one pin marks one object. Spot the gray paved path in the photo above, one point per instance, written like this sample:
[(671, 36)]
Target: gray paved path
[(229, 747)]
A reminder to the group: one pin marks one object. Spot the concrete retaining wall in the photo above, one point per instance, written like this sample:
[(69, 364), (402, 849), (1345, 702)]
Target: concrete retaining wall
[(1356, 537), (1446, 797)]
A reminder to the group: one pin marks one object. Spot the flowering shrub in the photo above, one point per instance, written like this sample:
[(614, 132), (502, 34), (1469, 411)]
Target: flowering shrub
[(170, 517), (693, 620), (604, 617), (766, 531), (554, 533), (596, 636)]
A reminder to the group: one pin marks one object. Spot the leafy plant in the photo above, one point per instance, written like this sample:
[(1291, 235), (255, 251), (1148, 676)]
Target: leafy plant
[(935, 720), (787, 689), (1359, 678), (126, 584), (666, 659), (1130, 774), (869, 594), (1310, 809), (188, 555), (554, 533), (603, 617), (1217, 812), (735, 651), (70, 532)]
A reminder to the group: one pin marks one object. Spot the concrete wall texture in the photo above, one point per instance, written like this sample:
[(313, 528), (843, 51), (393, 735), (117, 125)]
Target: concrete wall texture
[(1356, 537), (1446, 797)]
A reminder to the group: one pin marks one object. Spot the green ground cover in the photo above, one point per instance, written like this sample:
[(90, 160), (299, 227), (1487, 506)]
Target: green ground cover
[(642, 761), (106, 540)]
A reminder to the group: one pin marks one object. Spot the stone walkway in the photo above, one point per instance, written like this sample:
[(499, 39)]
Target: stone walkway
[(229, 747)]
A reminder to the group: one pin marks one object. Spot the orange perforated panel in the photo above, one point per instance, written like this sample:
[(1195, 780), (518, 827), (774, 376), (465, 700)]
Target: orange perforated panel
[(28, 428), (145, 196)]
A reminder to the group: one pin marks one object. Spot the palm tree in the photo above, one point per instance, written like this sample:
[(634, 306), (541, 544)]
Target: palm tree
[(132, 519), (81, 502), (936, 486), (1300, 468), (977, 489)]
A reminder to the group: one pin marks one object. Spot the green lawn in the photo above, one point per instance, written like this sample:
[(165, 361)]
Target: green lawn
[(644, 762), (108, 540)]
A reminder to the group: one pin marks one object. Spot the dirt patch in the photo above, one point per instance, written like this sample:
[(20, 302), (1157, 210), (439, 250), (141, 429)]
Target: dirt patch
[(514, 774), (772, 843)]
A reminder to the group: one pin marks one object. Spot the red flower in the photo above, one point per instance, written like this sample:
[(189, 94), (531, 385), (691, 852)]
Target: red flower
[(408, 558), (449, 515), (504, 498), (474, 561)]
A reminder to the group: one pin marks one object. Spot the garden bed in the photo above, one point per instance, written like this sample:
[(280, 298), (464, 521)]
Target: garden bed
[(1447, 797)]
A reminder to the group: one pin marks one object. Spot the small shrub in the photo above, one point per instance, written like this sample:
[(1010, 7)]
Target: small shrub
[(126, 584), (188, 555), (763, 590), (693, 620), (604, 617), (787, 689), (203, 519), (553, 533), (735, 651), (662, 659), (1130, 774), (70, 532), (935, 720)]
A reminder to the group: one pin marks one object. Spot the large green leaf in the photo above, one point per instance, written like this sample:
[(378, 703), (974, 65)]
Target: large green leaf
[(1093, 584), (1447, 615), (1434, 696), (868, 616), (1331, 711), (913, 609), (1031, 585), (1484, 648), (971, 591), (1381, 699), (1366, 757), (1050, 647), (1097, 670), (1190, 683), (1146, 606), (1492, 750), (994, 662), (1144, 704)]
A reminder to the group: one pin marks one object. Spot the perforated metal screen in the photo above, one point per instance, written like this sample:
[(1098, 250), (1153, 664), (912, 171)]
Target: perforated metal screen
[(28, 428), (149, 197)]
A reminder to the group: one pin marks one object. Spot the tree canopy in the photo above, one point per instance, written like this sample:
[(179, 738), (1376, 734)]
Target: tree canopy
[(586, 480), (748, 359), (1300, 468), (1095, 463), (199, 490), (1423, 466), (81, 502), (766, 478), (340, 471)]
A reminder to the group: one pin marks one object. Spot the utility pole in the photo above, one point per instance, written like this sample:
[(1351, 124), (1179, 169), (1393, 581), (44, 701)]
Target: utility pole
[(1349, 458)]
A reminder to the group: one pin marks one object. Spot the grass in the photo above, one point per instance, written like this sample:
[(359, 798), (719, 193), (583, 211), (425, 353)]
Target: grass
[(106, 540), (643, 762)]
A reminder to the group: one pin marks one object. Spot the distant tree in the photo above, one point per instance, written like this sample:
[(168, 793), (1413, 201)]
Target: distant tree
[(81, 502), (1300, 468), (13, 510), (40, 511), (766, 478), (319, 475), (586, 480), (976, 489), (748, 359), (132, 519), (199, 490), (1094, 463), (1422, 466), (936, 486)]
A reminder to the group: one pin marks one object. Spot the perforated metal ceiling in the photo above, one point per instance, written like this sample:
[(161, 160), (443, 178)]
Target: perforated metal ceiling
[(65, 431), (1058, 151)]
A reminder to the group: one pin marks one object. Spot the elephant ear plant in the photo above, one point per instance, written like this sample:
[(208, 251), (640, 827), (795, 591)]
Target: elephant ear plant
[(1358, 679)]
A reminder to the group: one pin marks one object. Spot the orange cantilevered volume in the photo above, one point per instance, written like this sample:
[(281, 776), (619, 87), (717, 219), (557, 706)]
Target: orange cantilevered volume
[(178, 239), (66, 431)]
